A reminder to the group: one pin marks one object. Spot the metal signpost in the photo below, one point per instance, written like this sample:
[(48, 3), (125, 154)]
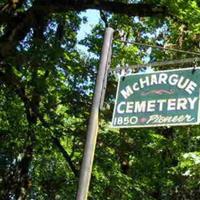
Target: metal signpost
[(86, 167), (165, 98)]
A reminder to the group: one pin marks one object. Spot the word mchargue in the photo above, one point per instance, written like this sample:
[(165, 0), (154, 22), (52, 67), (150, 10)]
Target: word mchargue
[(163, 78)]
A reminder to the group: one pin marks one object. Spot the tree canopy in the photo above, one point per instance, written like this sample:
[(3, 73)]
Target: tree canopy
[(46, 90)]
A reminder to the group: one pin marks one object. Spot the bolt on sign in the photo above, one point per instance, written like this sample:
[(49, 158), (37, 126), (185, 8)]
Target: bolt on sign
[(163, 98)]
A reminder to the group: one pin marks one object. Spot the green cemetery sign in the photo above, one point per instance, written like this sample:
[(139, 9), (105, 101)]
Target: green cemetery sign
[(165, 98)]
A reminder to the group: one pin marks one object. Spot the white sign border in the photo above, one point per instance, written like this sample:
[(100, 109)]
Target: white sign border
[(155, 125)]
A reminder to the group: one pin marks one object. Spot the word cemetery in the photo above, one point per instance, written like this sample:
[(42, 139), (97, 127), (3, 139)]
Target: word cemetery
[(166, 98)]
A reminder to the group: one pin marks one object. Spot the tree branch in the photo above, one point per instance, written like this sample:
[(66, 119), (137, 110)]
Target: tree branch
[(56, 142), (31, 108), (19, 27), (131, 9)]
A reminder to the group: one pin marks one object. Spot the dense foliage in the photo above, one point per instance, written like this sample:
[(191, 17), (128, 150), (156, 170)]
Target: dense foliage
[(46, 89)]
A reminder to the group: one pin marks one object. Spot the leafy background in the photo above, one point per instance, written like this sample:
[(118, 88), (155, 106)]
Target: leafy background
[(45, 98)]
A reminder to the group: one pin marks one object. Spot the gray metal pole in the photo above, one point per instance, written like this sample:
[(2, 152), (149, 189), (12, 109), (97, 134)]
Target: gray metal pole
[(86, 167), (105, 79)]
